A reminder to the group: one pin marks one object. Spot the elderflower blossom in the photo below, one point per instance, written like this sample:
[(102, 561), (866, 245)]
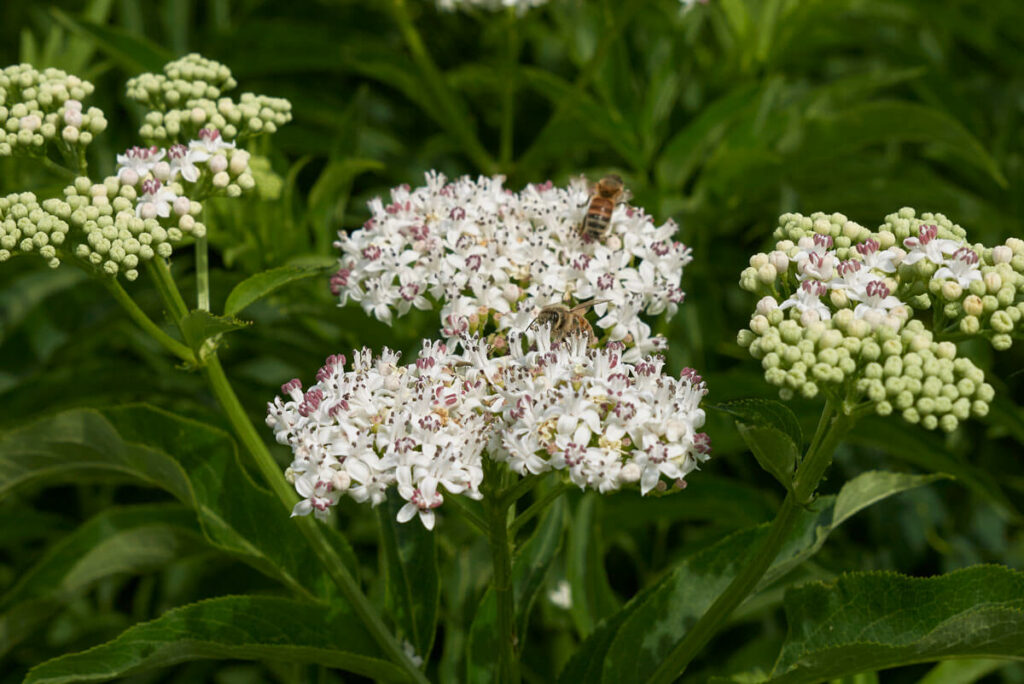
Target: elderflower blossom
[(423, 430), (380, 425), (851, 329), (489, 255), (602, 420)]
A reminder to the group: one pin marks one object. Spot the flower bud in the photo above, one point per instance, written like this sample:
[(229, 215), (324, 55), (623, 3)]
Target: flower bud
[(1001, 254), (765, 305), (218, 163), (779, 260), (839, 299), (993, 282), (766, 273), (951, 290), (973, 305), (222, 179)]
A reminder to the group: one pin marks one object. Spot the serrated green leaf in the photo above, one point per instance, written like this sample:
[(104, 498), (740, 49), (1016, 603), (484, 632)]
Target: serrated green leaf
[(765, 413), (258, 286), (413, 587), (194, 462), (231, 627), (199, 326), (877, 620), (631, 644), (134, 53)]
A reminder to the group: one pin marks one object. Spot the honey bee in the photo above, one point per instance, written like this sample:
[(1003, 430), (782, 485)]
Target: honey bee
[(565, 321), (605, 194)]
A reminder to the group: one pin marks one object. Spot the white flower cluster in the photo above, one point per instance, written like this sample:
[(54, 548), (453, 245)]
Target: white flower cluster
[(491, 255), (359, 432), (428, 426), (38, 108), (603, 421), (188, 96), (521, 6), (26, 226), (850, 293)]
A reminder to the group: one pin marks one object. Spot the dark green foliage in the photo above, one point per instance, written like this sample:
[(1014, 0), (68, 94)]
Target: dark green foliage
[(129, 528)]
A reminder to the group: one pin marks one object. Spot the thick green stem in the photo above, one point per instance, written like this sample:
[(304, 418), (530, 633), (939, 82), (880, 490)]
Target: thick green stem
[(271, 472), (146, 323), (501, 554), (443, 98), (202, 274), (831, 428)]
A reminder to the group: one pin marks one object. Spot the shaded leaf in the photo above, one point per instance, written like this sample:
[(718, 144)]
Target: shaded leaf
[(413, 587), (199, 326), (630, 645), (257, 286), (132, 52), (231, 627), (195, 463), (876, 620)]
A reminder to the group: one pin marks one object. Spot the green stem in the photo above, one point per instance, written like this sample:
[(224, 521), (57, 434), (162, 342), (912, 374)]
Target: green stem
[(442, 96), (202, 274), (272, 475), (831, 428), (56, 168), (170, 344), (537, 507), (521, 489), (471, 516), (508, 93), (501, 554)]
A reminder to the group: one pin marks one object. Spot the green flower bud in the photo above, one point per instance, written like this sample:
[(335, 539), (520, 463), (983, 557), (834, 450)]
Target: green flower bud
[(1001, 342)]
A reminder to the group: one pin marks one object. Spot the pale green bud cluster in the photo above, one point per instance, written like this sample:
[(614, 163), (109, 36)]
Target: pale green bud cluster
[(905, 223), (231, 172), (188, 97), (251, 115), (27, 226), (41, 108), (114, 238), (189, 78), (905, 371)]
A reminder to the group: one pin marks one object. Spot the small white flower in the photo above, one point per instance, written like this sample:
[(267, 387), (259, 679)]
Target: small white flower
[(183, 161), (962, 267), (808, 298), (137, 162), (878, 298), (875, 259), (209, 143), (156, 200), (928, 246), (561, 595)]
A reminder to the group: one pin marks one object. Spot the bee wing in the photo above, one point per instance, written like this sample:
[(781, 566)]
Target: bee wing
[(579, 308)]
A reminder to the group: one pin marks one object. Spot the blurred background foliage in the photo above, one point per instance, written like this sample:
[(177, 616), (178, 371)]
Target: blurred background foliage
[(721, 118)]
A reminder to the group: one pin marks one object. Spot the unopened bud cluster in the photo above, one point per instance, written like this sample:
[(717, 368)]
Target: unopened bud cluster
[(115, 235), (837, 307), (26, 226), (188, 97), (44, 108)]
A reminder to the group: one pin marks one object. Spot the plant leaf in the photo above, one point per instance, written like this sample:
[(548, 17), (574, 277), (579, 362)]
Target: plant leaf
[(765, 413), (410, 574), (230, 627), (772, 432), (876, 620), (198, 326), (194, 462), (126, 539), (133, 53), (631, 644), (258, 286)]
